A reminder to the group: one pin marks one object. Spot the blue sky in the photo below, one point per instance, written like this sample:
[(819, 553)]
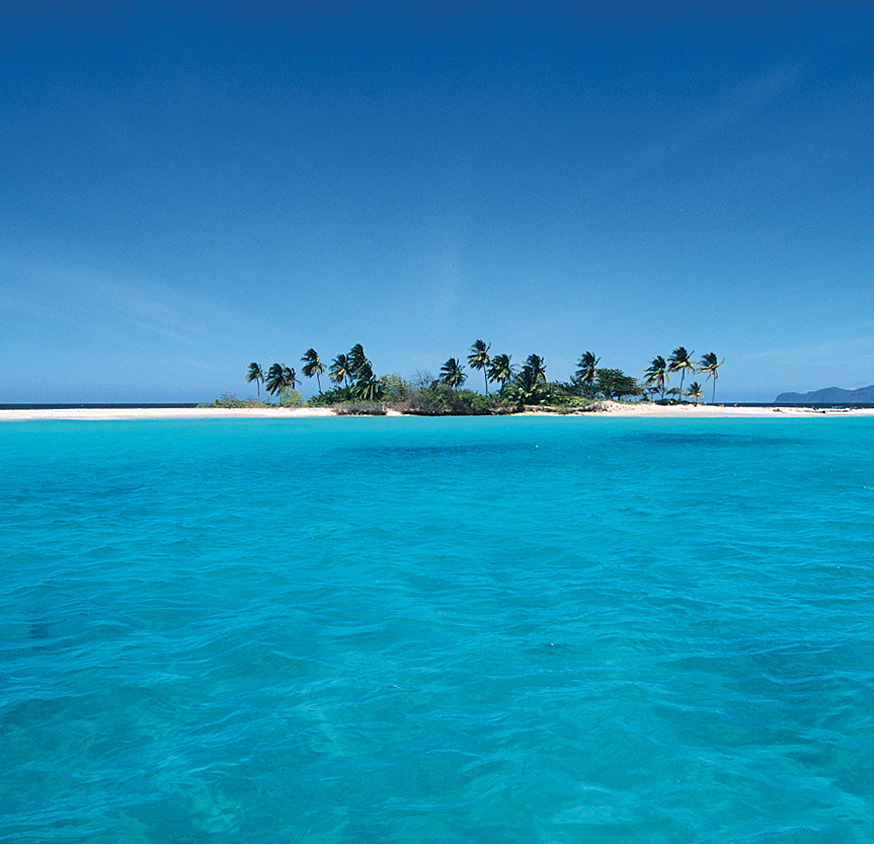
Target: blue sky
[(188, 187)]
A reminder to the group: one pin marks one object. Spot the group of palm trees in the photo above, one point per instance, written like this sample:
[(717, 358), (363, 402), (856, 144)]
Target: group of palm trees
[(279, 379), (497, 369), (354, 372), (657, 376), (533, 372)]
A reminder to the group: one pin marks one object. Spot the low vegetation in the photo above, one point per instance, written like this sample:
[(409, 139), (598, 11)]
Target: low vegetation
[(231, 400)]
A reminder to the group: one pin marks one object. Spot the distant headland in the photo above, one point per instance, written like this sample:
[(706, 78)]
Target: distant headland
[(829, 395)]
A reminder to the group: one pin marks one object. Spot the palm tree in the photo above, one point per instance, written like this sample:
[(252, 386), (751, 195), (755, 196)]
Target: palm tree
[(501, 369), (255, 374), (356, 359), (694, 391), (535, 364), (364, 372), (679, 362), (291, 380), (586, 372), (276, 382), (709, 365), (479, 359), (527, 388), (452, 374), (657, 374), (312, 366), (370, 388), (340, 370)]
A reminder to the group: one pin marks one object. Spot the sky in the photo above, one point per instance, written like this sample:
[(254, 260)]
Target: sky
[(188, 187)]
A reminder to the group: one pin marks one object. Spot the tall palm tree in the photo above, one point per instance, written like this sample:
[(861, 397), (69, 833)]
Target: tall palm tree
[(586, 372), (275, 382), (356, 359), (501, 369), (257, 375), (535, 364), (312, 366), (340, 370), (364, 372), (479, 359), (679, 361), (694, 391), (708, 365), (291, 380), (657, 374), (452, 374)]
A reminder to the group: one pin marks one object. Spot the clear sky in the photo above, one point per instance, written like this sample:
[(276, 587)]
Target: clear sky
[(187, 187)]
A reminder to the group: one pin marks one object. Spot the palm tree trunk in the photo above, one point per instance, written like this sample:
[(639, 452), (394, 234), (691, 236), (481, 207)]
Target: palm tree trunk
[(485, 374)]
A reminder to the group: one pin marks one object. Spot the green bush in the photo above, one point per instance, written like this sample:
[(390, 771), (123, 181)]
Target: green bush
[(440, 400), (290, 398), (395, 389), (336, 396), (469, 401), (231, 400)]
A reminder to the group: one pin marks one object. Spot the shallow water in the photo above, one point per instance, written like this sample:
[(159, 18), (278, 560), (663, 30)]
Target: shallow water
[(460, 630)]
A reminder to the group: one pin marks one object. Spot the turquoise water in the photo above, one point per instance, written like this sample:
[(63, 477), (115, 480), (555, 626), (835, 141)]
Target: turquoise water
[(418, 630)]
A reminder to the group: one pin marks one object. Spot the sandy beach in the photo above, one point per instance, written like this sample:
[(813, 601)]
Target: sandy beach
[(608, 409), (105, 413), (702, 411)]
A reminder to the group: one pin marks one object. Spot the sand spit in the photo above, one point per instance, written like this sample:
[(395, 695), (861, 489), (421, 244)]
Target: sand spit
[(104, 413), (702, 411)]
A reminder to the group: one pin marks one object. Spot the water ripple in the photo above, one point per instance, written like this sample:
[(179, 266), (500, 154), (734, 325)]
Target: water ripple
[(459, 630)]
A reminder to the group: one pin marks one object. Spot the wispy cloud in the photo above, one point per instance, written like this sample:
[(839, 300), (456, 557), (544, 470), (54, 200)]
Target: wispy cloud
[(47, 295), (734, 107), (851, 353)]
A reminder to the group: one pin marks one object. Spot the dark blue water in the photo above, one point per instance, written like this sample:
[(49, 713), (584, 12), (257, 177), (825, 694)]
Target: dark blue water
[(444, 630)]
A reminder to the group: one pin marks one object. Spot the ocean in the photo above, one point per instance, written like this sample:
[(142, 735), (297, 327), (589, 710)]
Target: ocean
[(437, 630)]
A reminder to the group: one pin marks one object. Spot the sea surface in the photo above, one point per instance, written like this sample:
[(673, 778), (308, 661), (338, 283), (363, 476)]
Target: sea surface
[(437, 630)]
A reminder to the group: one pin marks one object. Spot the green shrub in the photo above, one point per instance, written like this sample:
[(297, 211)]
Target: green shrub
[(471, 402), (290, 398), (231, 400), (395, 389), (336, 396)]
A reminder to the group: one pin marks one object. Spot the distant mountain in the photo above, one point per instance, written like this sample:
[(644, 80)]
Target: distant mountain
[(830, 395)]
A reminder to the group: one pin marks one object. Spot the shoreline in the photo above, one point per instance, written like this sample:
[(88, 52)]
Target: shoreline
[(608, 409)]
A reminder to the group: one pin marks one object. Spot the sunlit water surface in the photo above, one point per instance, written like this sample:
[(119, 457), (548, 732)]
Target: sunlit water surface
[(417, 630)]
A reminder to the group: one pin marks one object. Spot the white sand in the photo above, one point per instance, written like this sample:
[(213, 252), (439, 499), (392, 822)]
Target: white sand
[(101, 413), (609, 409), (706, 411)]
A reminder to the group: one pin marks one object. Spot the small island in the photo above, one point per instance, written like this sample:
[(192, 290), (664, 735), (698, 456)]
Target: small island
[(516, 390), (357, 390)]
